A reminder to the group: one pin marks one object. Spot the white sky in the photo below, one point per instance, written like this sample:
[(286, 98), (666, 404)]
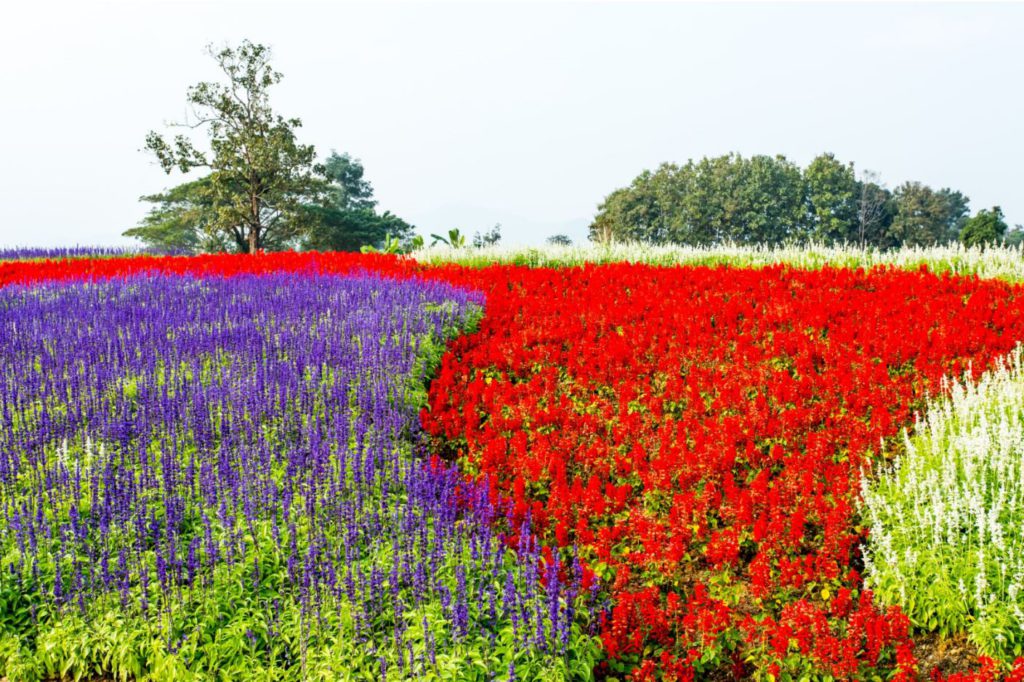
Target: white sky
[(526, 114)]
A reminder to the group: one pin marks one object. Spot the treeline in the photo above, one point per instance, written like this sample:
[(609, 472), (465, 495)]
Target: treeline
[(264, 190), (771, 200)]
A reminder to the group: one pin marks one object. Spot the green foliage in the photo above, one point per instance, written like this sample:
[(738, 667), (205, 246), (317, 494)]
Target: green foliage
[(244, 634), (831, 199), (350, 230), (341, 217), (1014, 236), (345, 219), (260, 176), (490, 238), (455, 239), (559, 240), (349, 190), (769, 200), (925, 216), (945, 519), (986, 227), (181, 219), (391, 245), (876, 210), (716, 200)]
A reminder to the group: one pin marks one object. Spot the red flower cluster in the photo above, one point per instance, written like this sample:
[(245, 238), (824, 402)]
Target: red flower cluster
[(698, 433), (225, 265)]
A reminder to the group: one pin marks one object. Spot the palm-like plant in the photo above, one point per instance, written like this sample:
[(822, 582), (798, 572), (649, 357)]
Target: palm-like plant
[(455, 239)]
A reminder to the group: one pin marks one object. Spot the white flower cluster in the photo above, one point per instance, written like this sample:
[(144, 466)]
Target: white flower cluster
[(946, 539), (994, 262)]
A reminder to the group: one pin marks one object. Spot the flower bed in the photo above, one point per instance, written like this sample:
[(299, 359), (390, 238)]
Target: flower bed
[(700, 434), (696, 435), (208, 478)]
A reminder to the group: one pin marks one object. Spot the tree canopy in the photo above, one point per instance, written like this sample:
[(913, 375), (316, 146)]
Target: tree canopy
[(487, 238), (986, 227), (263, 189), (770, 200), (260, 176), (346, 219), (925, 216), (831, 199), (180, 219)]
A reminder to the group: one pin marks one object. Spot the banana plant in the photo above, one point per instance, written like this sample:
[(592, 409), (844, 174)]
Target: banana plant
[(391, 245), (455, 239)]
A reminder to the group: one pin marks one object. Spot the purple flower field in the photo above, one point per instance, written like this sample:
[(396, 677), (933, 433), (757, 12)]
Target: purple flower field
[(223, 478)]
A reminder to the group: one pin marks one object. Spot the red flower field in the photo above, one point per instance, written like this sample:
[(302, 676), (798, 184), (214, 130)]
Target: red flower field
[(700, 435)]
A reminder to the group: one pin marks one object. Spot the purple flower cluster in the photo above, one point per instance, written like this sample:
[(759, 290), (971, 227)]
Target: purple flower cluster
[(165, 440), (63, 252)]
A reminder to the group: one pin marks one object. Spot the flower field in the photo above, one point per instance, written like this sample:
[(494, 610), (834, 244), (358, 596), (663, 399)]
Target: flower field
[(212, 478), (233, 466)]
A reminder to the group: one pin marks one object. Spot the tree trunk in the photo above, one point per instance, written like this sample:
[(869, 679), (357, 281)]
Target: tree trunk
[(255, 227)]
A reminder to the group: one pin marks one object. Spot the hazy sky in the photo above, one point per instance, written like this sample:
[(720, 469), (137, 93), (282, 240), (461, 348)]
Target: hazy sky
[(525, 114)]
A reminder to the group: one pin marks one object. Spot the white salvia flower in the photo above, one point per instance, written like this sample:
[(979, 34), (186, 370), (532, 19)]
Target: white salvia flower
[(953, 504), (1002, 262)]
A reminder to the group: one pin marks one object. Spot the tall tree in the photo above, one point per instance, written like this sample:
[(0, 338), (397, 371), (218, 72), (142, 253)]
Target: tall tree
[(726, 198), (986, 227), (831, 200), (772, 201), (875, 212), (348, 190), (491, 237), (628, 214), (641, 215), (956, 211), (350, 230), (925, 217), (713, 199), (260, 177), (606, 224), (344, 218)]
